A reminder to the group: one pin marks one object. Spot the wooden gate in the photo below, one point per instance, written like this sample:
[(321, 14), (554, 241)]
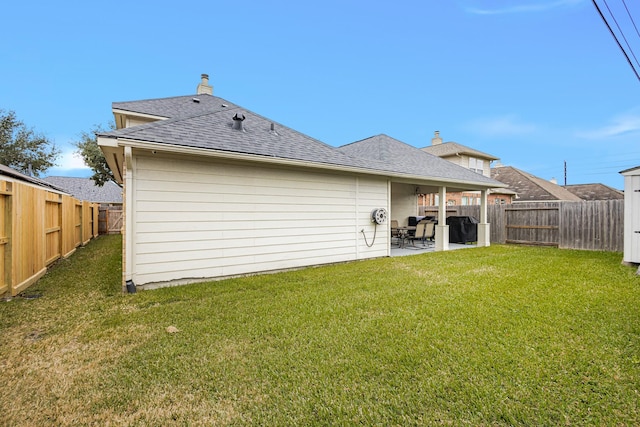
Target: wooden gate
[(110, 221), (533, 225)]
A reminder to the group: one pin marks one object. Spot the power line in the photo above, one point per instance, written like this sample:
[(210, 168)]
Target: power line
[(616, 38), (620, 30), (631, 17)]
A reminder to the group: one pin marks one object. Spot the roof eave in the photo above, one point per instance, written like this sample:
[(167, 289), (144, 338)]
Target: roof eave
[(108, 144)]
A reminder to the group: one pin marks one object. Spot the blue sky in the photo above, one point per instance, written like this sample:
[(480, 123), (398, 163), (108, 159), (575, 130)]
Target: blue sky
[(533, 82)]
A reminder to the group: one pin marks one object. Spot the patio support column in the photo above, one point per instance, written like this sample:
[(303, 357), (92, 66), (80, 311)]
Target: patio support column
[(442, 229), (484, 235)]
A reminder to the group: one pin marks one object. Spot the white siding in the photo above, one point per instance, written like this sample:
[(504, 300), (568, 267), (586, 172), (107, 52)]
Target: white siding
[(404, 203), (632, 218), (135, 121), (199, 219)]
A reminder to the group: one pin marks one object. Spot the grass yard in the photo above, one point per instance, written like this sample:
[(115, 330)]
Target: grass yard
[(491, 336)]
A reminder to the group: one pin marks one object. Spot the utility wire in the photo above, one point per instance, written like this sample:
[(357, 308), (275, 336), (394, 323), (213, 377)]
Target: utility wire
[(620, 30), (616, 39), (631, 17)]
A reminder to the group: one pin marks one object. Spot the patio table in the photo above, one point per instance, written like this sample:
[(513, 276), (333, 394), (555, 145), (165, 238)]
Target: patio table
[(404, 233)]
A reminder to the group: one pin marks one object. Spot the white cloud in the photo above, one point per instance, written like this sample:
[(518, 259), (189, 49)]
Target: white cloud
[(620, 125), (70, 160), (510, 7), (508, 125)]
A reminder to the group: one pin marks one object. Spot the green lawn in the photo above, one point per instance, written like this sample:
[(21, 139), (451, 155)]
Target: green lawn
[(503, 335)]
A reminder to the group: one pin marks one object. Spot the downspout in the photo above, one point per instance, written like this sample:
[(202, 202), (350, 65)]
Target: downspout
[(390, 213), (130, 287)]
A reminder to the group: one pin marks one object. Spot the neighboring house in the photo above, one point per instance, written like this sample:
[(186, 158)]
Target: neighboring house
[(86, 189), (530, 188), (214, 190), (595, 192), (469, 158)]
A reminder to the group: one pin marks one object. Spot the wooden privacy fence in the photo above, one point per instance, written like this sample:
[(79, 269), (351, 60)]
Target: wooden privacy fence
[(37, 227), (592, 225)]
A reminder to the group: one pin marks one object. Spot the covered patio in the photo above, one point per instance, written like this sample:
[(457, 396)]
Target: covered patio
[(404, 207), (413, 172)]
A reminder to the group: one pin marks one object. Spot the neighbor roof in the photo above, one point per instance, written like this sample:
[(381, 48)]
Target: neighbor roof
[(595, 192), (206, 122), (530, 187), (451, 148), (86, 189), (7, 171)]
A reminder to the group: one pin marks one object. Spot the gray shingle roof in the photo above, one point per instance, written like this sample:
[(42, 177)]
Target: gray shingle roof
[(213, 129), (530, 187), (177, 106), (86, 189), (207, 124), (453, 148), (404, 158)]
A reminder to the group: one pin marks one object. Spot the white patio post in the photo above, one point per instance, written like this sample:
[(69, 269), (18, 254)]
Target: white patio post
[(484, 235), (442, 229)]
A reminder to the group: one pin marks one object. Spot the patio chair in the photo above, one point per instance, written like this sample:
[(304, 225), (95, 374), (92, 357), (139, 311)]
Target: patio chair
[(419, 234), (394, 231), (429, 233)]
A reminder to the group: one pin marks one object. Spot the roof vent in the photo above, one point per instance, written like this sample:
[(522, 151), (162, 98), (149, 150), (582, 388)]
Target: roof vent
[(238, 118), (196, 100), (204, 87)]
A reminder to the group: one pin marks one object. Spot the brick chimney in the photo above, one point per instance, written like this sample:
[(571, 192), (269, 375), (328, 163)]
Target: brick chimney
[(436, 139), (204, 87)]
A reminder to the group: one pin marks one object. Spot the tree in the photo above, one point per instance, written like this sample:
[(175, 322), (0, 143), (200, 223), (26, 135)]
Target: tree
[(93, 156), (22, 149)]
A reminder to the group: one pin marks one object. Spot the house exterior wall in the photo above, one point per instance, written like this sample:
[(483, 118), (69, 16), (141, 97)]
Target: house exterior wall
[(466, 161), (403, 203), (196, 219), (135, 121)]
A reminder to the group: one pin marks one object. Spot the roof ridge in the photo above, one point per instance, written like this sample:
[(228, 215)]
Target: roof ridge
[(166, 98)]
